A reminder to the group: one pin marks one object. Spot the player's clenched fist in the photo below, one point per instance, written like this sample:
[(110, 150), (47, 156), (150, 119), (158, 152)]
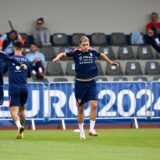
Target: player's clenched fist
[(24, 66)]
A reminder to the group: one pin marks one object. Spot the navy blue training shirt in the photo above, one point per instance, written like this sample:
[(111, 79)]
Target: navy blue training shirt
[(17, 75), (85, 62)]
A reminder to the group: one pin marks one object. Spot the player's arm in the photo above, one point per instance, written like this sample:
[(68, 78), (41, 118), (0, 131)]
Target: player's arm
[(9, 59), (104, 57), (59, 57), (4, 56)]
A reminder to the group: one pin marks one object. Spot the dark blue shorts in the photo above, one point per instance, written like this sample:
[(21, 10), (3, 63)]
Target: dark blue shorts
[(85, 91), (18, 95)]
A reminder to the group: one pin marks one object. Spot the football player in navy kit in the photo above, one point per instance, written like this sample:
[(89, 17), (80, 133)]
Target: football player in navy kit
[(18, 90), (85, 85)]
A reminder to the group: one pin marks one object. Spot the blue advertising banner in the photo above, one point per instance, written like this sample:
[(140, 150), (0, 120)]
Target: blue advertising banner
[(115, 100), (34, 106)]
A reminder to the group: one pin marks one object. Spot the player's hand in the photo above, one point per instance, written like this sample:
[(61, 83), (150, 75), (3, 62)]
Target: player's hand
[(24, 66), (115, 64), (56, 59)]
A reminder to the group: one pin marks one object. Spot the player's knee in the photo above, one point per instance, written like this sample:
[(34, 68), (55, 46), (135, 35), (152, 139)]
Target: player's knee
[(14, 114), (94, 106), (80, 110)]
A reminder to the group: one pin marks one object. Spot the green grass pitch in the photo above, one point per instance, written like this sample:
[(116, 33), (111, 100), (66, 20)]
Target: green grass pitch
[(115, 144)]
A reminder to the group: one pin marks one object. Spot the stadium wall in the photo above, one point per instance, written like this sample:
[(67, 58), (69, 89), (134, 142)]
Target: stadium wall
[(78, 16)]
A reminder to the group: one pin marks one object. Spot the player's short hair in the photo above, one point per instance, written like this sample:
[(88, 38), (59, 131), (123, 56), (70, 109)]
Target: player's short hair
[(154, 14), (18, 45), (84, 39), (33, 43)]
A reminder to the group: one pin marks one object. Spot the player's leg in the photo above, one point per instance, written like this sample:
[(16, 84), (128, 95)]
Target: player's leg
[(14, 110), (80, 96), (14, 94), (81, 121), (22, 115), (23, 100), (93, 113), (92, 98)]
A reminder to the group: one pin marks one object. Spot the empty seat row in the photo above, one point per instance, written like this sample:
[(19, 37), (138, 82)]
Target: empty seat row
[(131, 68), (134, 68), (126, 52)]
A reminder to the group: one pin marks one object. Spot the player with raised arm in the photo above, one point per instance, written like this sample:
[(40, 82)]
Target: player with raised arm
[(18, 89), (4, 58), (85, 85)]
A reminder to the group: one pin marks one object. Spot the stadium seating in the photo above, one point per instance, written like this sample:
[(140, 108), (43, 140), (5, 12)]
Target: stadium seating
[(100, 70), (60, 79), (118, 39), (54, 69), (125, 52), (156, 78), (101, 79), (76, 37), (112, 70), (107, 50), (140, 78), (121, 78), (133, 59), (144, 52), (157, 55), (152, 68), (98, 39), (70, 69), (133, 68), (40, 80), (48, 52), (60, 39)]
